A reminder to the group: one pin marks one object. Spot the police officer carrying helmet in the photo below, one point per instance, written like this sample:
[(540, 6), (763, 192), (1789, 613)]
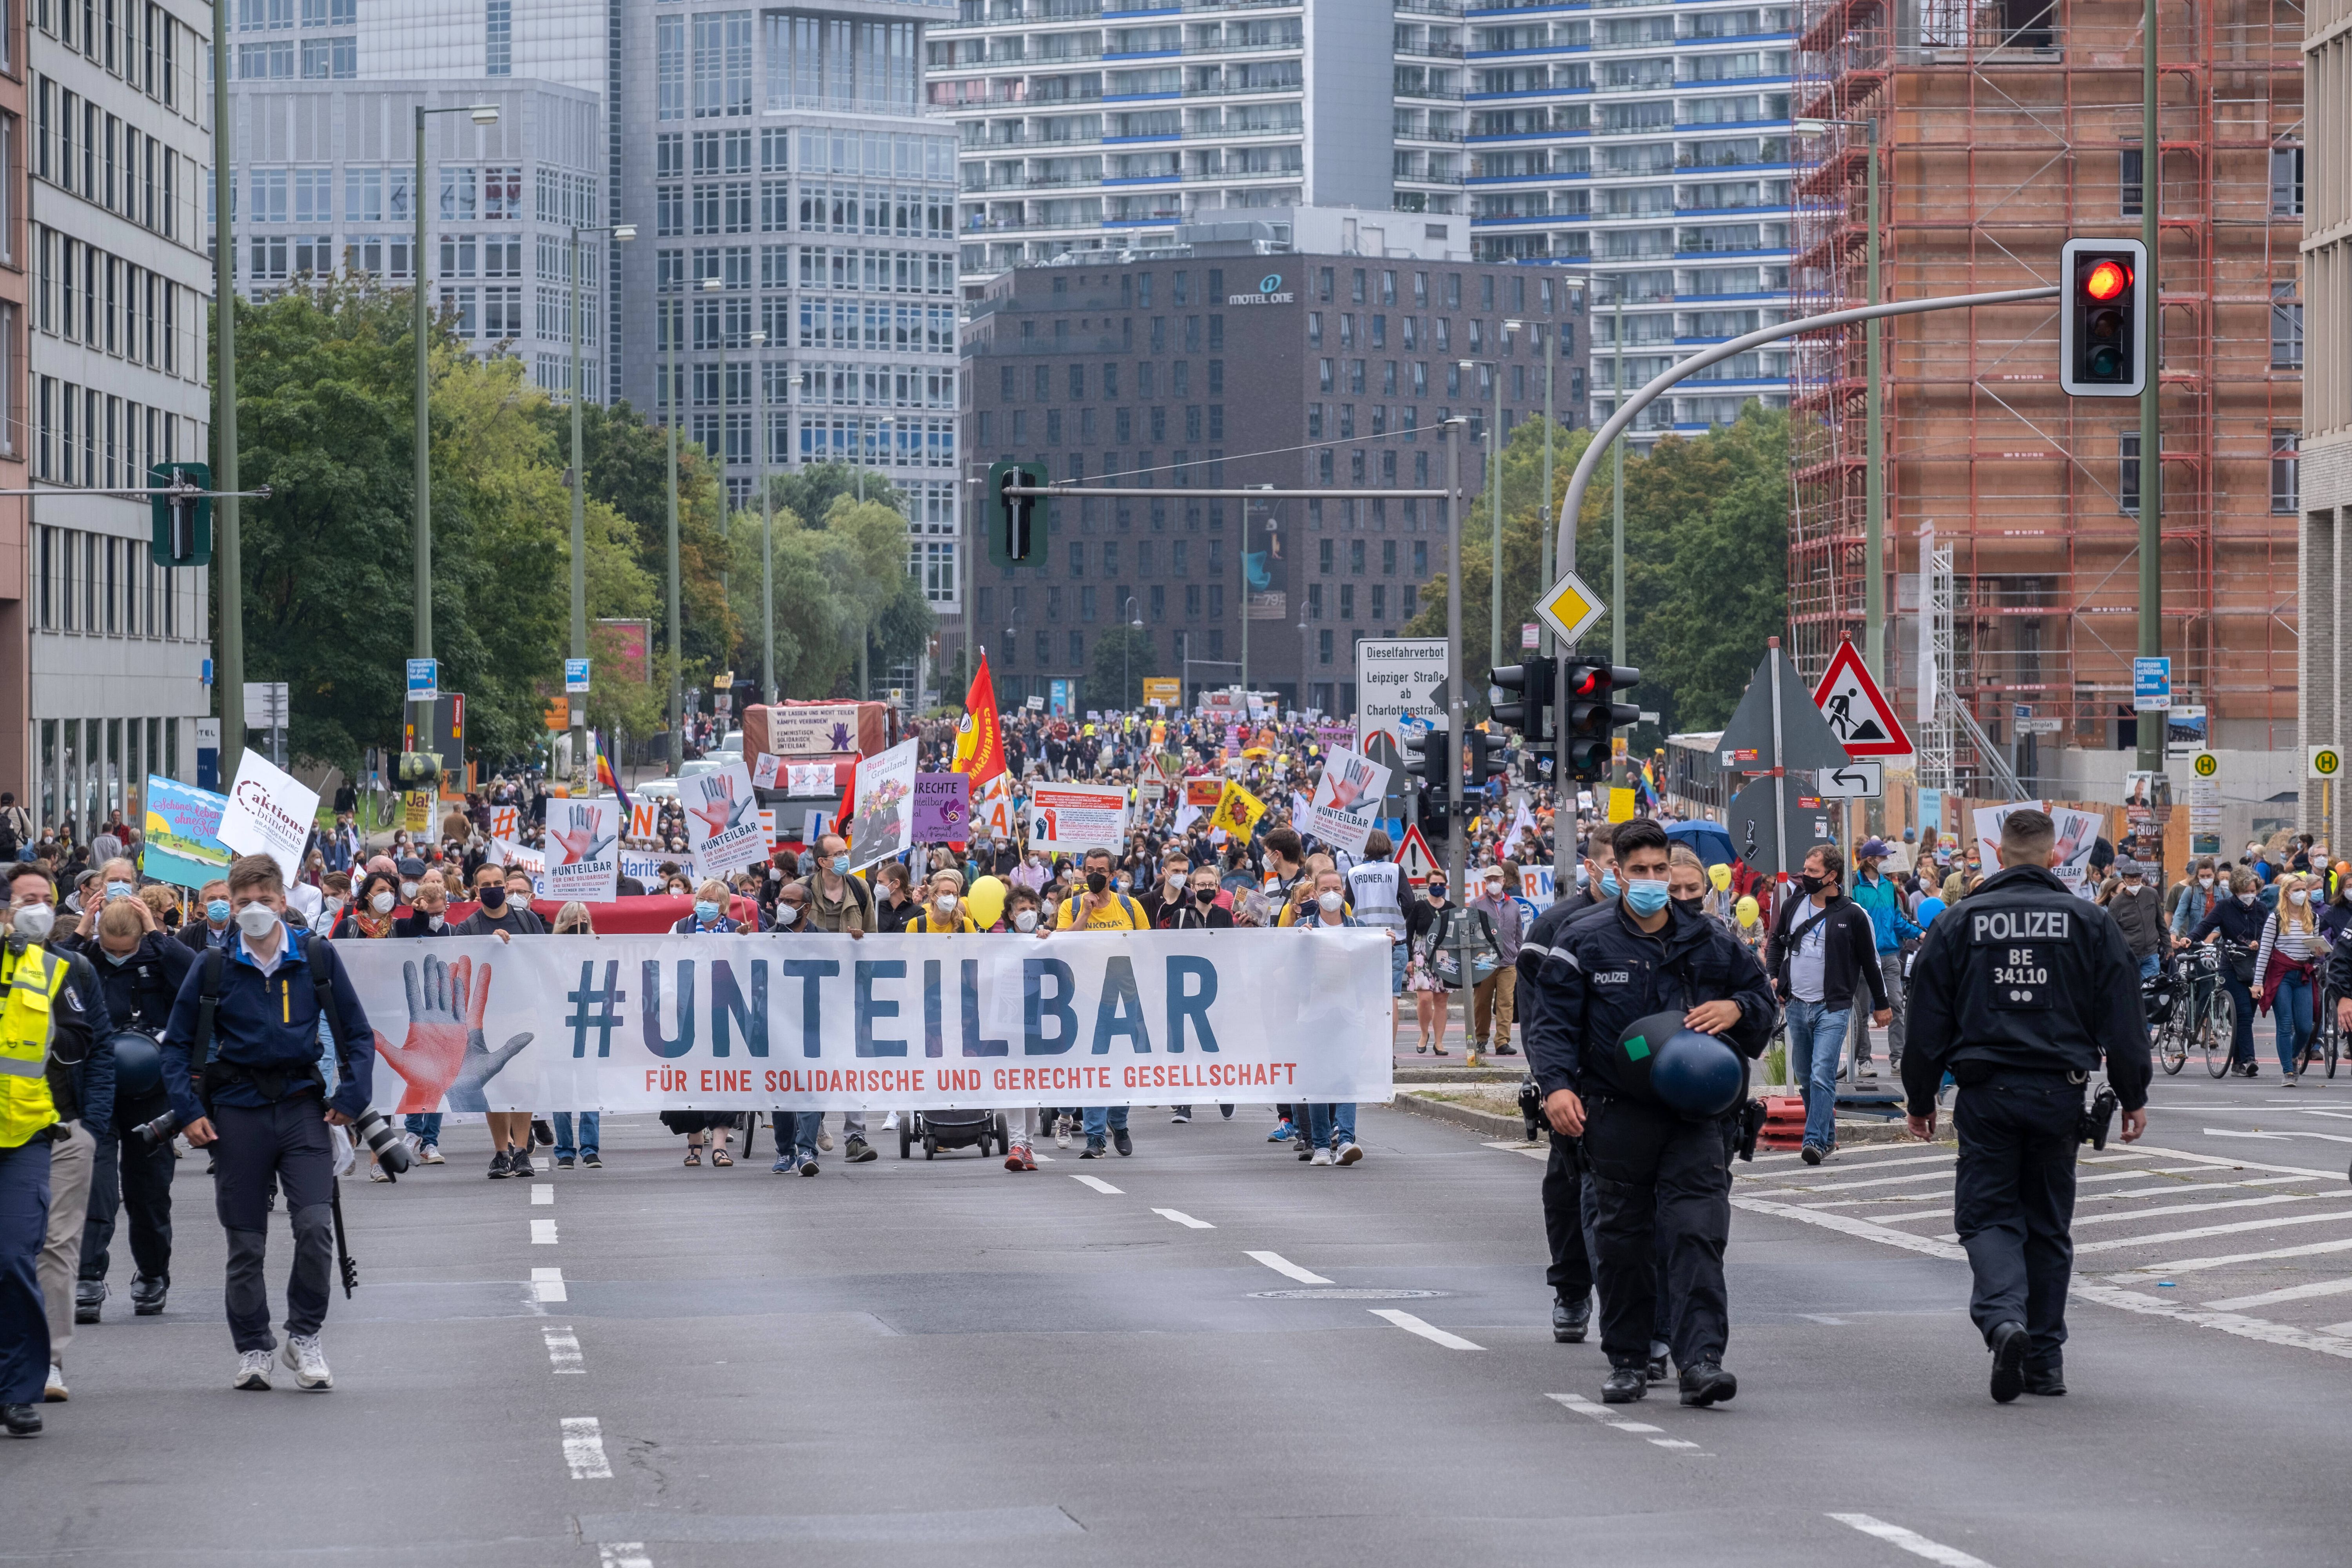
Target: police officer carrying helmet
[(2019, 992), (1658, 1179)]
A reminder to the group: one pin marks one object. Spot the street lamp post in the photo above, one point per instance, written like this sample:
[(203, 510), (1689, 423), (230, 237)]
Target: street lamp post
[(767, 530), (581, 775), (482, 114), (676, 645), (1126, 647), (1495, 485), (230, 573), (1873, 539)]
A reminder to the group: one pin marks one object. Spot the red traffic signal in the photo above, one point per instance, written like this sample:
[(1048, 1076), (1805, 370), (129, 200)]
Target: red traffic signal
[(2107, 280), (2103, 320)]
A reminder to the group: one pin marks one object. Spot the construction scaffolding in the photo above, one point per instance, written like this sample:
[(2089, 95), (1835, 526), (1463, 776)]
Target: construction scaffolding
[(2004, 130)]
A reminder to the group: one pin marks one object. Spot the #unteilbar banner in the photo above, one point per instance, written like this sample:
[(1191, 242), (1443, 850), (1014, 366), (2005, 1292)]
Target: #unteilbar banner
[(817, 1022)]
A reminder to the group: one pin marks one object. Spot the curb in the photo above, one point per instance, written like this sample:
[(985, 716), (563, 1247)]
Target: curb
[(1511, 1129), (1459, 1075)]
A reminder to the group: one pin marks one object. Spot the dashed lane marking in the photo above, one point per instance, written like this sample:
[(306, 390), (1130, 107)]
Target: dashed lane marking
[(1286, 1268), (1911, 1541), (547, 1284), (562, 1348), (583, 1450), (623, 1554), (543, 1195), (1097, 1183), (1429, 1332), (542, 1233), (1187, 1221), (1607, 1415)]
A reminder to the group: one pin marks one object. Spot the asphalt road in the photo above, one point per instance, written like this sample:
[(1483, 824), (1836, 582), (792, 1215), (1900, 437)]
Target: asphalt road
[(952, 1363)]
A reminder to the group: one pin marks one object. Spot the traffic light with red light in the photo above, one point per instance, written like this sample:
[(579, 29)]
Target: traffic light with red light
[(1592, 714), (2103, 318)]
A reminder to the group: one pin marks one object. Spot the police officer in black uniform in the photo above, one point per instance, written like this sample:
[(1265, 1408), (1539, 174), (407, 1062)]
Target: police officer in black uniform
[(2018, 992), (1571, 1272), (1654, 1177)]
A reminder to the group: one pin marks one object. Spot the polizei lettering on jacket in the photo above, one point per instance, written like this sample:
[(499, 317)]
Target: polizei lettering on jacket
[(2021, 925)]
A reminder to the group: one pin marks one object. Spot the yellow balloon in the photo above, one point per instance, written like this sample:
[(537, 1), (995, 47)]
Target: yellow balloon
[(1719, 876), (986, 901), (1747, 911)]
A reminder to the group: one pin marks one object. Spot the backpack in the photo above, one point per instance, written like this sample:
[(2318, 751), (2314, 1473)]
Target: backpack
[(273, 1083)]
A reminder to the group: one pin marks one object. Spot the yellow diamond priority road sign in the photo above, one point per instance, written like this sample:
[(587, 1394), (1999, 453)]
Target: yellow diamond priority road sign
[(1569, 608)]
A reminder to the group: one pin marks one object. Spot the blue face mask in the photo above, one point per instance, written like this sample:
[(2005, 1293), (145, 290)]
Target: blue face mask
[(708, 913), (120, 889), (216, 911), (1609, 883), (841, 865), (1646, 898)]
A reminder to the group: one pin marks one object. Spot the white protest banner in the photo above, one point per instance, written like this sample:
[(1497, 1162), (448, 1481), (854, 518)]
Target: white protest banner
[(645, 866), (1989, 819), (722, 820), (508, 852), (827, 728), (1076, 817), (1347, 799), (2078, 835), (504, 822), (991, 809), (580, 839), (670, 1023), (763, 770), (810, 779), (645, 820), (882, 823), (270, 811)]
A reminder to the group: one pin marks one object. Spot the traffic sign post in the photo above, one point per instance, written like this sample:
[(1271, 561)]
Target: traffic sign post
[(1858, 713), (2205, 764), (1855, 781), (2326, 761)]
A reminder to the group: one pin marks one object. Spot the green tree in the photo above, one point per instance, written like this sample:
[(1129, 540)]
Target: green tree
[(837, 582), (1123, 656), (812, 488)]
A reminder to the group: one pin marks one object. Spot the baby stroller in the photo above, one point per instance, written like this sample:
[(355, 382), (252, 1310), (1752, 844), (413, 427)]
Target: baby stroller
[(938, 1129)]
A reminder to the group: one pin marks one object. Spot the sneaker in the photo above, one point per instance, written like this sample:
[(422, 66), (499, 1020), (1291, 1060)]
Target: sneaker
[(432, 1155), (1180, 1119), (1121, 1141), (1810, 1154), (1347, 1153), (825, 1140), (591, 1162), (54, 1391), (808, 1166), (501, 1166), (1320, 1157), (89, 1295), (1282, 1134), (521, 1166), (564, 1161), (1061, 1132), (147, 1293), (375, 1174), (1019, 1158), (1305, 1151), (1093, 1150), (784, 1165), (860, 1151), (302, 1353), (253, 1370)]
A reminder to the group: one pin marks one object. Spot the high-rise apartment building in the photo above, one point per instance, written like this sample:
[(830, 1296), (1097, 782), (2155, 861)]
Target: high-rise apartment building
[(324, 141), (1649, 144), (1084, 127), (119, 146), (2316, 475), (795, 260)]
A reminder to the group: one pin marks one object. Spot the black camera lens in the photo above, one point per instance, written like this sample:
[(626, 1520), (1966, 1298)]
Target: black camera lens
[(381, 1136)]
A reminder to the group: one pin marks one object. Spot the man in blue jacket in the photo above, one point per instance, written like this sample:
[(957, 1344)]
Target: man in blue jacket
[(248, 1079), (1881, 899)]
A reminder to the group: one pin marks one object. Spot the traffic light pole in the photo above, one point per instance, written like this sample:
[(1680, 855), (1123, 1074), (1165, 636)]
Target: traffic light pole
[(231, 551), (2151, 422)]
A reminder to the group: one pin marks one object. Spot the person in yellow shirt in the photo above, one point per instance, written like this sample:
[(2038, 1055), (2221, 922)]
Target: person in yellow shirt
[(1101, 907), (942, 913)]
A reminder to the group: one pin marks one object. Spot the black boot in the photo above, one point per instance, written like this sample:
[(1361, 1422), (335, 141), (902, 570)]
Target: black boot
[(89, 1295), (2049, 1381), (1625, 1385), (147, 1293), (1570, 1319), (1708, 1383), (2008, 1343), (21, 1420)]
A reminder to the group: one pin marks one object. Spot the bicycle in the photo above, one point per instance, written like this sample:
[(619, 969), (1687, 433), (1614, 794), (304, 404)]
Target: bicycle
[(2164, 1003), (2325, 1044), (2210, 1018)]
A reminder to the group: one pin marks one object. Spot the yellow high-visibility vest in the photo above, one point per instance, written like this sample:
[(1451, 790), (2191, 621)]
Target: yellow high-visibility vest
[(32, 982)]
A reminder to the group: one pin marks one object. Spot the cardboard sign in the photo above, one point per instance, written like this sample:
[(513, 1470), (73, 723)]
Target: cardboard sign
[(882, 822), (504, 821), (1346, 801), (722, 822), (583, 843), (942, 807), (269, 812), (1076, 817)]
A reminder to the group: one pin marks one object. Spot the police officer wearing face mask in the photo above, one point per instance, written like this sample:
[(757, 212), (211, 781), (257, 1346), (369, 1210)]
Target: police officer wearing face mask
[(1658, 1180), (2019, 992), (251, 1083), (140, 971)]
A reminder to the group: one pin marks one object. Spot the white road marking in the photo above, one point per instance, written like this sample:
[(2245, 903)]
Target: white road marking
[(562, 1348), (1533, 1154), (583, 1450), (2290, 1293), (2192, 1265), (2239, 1163), (1850, 1226), (2278, 1137), (2196, 1232), (542, 1233), (1911, 1541), (623, 1554), (1429, 1332), (1608, 1415), (548, 1284), (2344, 1329), (2114, 1216), (1187, 1221), (1944, 1160), (1097, 1183), (2228, 1323), (1284, 1266), (542, 1193)]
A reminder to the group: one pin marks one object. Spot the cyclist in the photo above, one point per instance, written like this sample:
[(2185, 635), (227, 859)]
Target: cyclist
[(2237, 920)]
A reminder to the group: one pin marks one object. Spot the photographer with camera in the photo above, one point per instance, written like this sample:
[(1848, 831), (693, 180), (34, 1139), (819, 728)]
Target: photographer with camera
[(139, 968), (54, 1087), (241, 1061)]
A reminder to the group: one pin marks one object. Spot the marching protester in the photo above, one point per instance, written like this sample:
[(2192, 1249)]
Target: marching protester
[(1823, 954), (140, 970)]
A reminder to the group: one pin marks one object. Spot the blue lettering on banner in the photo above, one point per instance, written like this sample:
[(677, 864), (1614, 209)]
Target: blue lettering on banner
[(727, 1005), (808, 972), (1185, 1005), (605, 1018), (871, 1007), (656, 1041), (1120, 1011), (1036, 1007), (934, 1037), (974, 1046)]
